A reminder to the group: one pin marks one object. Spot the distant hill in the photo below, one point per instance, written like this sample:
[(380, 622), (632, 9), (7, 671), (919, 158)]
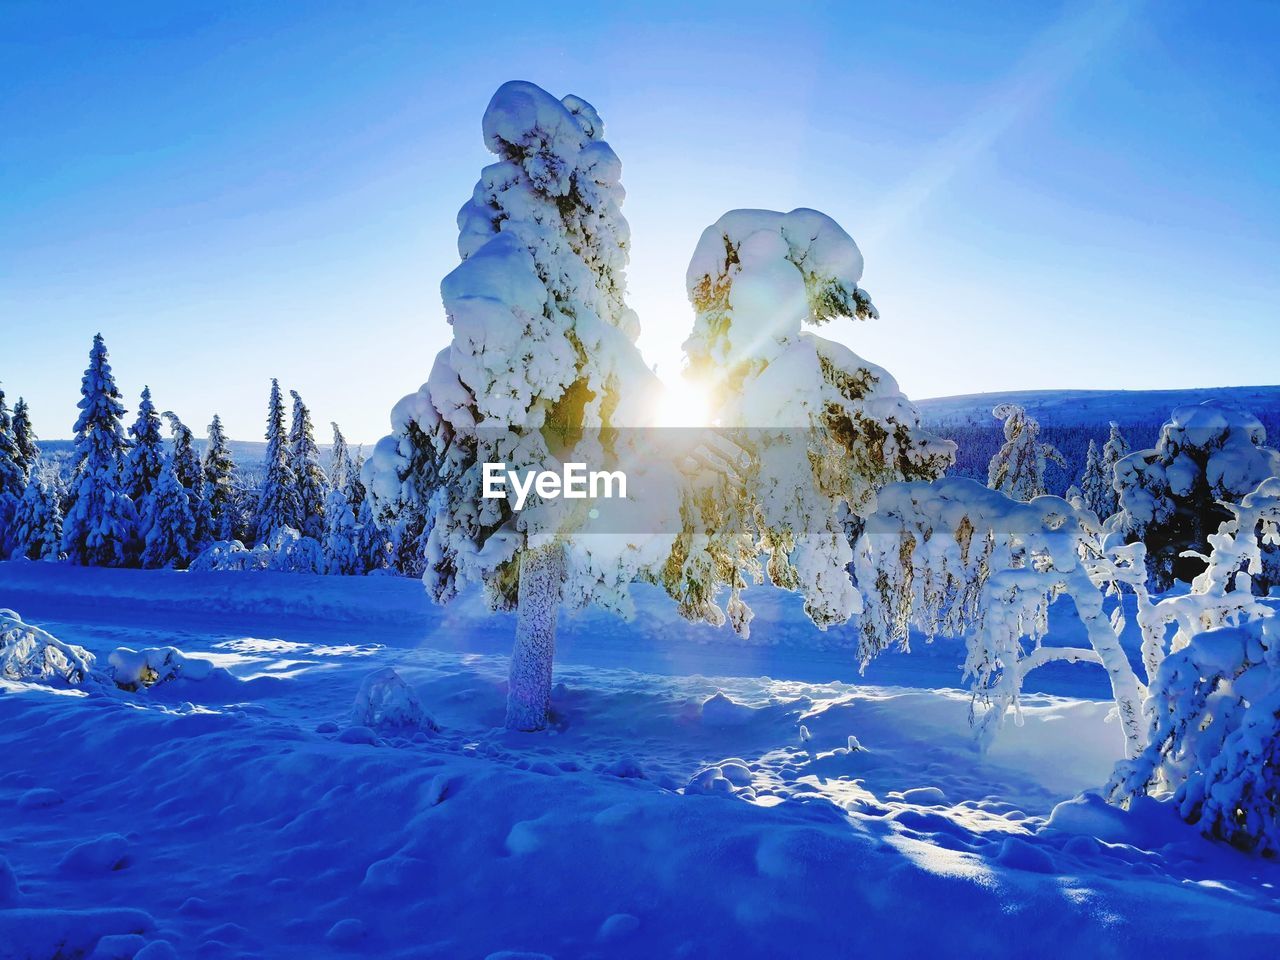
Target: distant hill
[(1094, 407), (1071, 418)]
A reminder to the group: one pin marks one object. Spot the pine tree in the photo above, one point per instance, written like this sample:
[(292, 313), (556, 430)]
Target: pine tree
[(100, 522), (304, 459), (38, 521), (278, 502), (339, 542), (24, 438), (1017, 469), (219, 484), (186, 464), (146, 455), (1095, 488), (170, 540)]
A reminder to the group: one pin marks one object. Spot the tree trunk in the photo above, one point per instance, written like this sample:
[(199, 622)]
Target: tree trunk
[(537, 609)]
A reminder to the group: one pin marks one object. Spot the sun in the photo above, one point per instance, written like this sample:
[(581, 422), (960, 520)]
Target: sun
[(682, 403)]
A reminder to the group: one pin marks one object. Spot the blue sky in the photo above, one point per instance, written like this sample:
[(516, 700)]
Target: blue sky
[(1047, 195)]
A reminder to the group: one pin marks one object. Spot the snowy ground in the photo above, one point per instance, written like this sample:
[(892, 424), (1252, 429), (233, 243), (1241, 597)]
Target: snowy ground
[(242, 815)]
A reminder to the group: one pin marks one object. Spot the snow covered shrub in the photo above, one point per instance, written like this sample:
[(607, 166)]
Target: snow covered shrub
[(385, 700), (135, 669), (1174, 496), (286, 552), (954, 558), (541, 367), (1214, 705), (1017, 469), (28, 653), (821, 428)]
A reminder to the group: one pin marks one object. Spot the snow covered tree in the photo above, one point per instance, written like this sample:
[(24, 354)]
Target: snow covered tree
[(12, 475), (186, 465), (37, 523), (170, 524), (823, 429), (278, 503), (1096, 492), (12, 478), (304, 459), (339, 543), (1017, 469), (146, 455), (1113, 451), (952, 558), (218, 473), (1174, 496), (1213, 746), (372, 548), (100, 521), (24, 439), (542, 360)]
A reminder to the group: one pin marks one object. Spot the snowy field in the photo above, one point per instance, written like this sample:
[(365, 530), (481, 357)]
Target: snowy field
[(696, 797)]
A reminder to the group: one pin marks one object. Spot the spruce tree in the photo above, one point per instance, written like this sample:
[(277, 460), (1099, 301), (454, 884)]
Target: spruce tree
[(12, 476), (371, 541), (186, 464), (145, 458), (304, 458), (100, 520), (170, 540), (339, 542), (1113, 451), (38, 522), (24, 439), (278, 502), (11, 479), (1095, 487), (219, 484)]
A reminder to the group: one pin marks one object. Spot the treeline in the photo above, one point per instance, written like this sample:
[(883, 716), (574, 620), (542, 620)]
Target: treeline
[(134, 498), (978, 443)]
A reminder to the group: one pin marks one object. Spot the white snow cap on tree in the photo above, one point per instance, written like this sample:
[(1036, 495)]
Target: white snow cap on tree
[(823, 428)]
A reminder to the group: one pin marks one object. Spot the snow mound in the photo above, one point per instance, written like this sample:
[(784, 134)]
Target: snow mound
[(136, 669), (28, 653), (385, 700)]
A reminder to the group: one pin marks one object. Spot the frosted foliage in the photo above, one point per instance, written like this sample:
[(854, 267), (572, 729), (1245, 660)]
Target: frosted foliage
[(145, 458), (1017, 469), (820, 428), (543, 346), (12, 476), (218, 473), (1172, 496), (137, 669), (29, 653), (953, 558), (170, 539)]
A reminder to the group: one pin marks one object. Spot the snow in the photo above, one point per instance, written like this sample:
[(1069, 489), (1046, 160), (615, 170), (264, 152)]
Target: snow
[(180, 799)]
